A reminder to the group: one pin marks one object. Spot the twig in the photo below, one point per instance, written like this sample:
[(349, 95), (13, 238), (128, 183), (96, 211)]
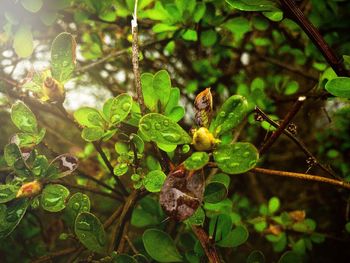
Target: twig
[(206, 243), (296, 141), (294, 12), (297, 105), (92, 190), (135, 60), (301, 176), (124, 216), (52, 255), (131, 245)]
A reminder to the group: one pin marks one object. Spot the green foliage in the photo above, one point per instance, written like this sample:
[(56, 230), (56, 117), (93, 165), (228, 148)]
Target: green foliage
[(54, 197), (162, 130), (233, 47), (339, 87), (160, 246), (63, 57), (90, 232), (236, 158), (196, 161)]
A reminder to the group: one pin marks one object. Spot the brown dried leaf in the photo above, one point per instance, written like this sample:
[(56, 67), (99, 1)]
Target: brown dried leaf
[(182, 193)]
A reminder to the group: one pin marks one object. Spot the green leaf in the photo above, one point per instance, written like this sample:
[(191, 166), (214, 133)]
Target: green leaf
[(12, 153), (7, 192), (235, 238), (120, 169), (53, 197), (90, 232), (196, 161), (88, 117), (78, 203), (253, 5), (173, 101), (190, 35), (274, 205), (32, 5), (161, 129), (156, 88), (63, 57), (230, 115), (23, 118), (339, 87), (11, 215), (91, 134), (23, 41), (256, 256), (159, 28), (30, 139), (208, 38), (220, 225), (217, 188), (274, 15), (347, 227), (154, 181), (239, 26), (236, 158), (162, 86), (176, 114), (138, 142), (148, 91), (197, 218), (118, 109), (199, 12), (290, 257), (160, 246)]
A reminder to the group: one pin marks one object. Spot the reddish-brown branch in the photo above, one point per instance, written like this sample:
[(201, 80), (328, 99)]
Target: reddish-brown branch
[(290, 115), (301, 176), (206, 243), (293, 11)]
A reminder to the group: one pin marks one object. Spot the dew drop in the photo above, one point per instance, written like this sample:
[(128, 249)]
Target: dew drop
[(157, 126), (166, 123), (222, 114), (145, 127), (126, 106), (246, 154), (171, 137), (234, 165), (252, 163), (222, 158), (84, 226), (116, 118), (12, 217), (76, 206)]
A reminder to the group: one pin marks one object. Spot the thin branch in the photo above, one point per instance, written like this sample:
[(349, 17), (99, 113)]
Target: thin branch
[(301, 176), (135, 60), (52, 255), (290, 115), (296, 140), (206, 243), (294, 12)]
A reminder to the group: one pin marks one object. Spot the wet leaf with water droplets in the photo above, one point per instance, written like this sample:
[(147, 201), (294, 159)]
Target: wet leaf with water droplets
[(53, 197), (236, 158), (88, 117), (63, 56), (231, 113), (78, 203), (23, 118), (154, 181), (182, 193), (161, 129), (90, 232), (196, 161), (11, 215), (7, 192), (117, 109)]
